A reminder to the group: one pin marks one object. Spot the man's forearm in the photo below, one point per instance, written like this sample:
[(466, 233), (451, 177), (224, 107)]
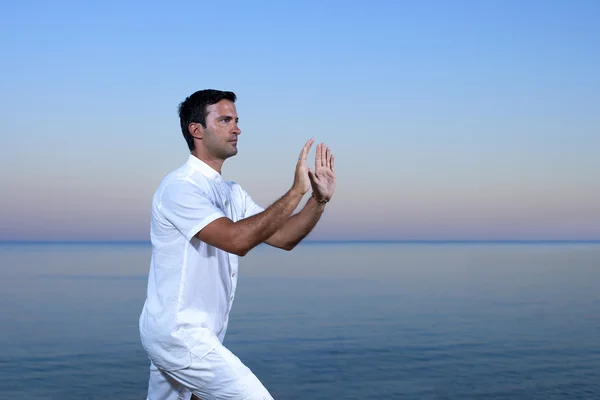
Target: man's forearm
[(298, 226), (254, 230)]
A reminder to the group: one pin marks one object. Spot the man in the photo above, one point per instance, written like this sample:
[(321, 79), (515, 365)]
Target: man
[(200, 225)]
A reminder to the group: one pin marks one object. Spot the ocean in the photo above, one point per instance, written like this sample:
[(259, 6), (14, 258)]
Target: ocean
[(324, 321)]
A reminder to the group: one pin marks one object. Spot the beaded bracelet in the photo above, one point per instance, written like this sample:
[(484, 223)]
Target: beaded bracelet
[(322, 201)]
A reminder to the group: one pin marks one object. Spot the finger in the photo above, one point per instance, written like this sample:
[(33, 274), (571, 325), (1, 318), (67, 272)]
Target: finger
[(323, 157), (318, 156), (311, 175), (328, 158), (305, 150), (332, 162)]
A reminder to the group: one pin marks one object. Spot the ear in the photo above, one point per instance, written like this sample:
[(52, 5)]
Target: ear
[(196, 130)]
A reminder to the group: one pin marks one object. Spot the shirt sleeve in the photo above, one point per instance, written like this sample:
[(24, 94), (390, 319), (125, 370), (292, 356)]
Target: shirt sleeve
[(250, 207), (188, 207)]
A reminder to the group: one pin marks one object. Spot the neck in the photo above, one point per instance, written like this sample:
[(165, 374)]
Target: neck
[(211, 161)]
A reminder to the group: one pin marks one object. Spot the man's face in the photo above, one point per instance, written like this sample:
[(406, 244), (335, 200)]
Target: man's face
[(222, 131)]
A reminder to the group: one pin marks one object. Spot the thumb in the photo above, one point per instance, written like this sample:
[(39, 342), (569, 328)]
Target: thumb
[(311, 175)]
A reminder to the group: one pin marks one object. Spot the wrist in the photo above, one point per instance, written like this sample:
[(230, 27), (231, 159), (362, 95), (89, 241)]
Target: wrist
[(319, 200), (296, 193)]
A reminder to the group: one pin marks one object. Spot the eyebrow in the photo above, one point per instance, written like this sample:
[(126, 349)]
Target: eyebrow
[(228, 117)]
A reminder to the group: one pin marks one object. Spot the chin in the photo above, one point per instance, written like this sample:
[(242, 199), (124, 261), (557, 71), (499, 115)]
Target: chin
[(230, 153)]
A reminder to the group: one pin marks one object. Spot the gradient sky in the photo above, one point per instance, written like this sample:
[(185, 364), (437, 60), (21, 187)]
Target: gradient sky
[(448, 119)]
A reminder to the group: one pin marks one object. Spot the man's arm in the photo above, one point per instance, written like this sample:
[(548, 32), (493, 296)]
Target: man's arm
[(242, 236), (298, 226)]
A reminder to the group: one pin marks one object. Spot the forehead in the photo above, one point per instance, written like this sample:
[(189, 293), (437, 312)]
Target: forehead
[(223, 107)]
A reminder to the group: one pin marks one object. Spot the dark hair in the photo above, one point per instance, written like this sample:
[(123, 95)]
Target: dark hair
[(193, 109)]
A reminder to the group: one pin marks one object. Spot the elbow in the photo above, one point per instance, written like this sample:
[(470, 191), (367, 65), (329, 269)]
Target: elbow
[(241, 253), (240, 248), (288, 246), (280, 244)]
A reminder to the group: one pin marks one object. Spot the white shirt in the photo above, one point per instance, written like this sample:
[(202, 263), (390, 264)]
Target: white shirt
[(191, 285)]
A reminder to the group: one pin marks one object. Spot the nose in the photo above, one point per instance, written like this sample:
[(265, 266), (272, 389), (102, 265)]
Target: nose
[(237, 130)]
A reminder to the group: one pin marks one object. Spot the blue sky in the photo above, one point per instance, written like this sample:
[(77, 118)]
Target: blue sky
[(448, 119)]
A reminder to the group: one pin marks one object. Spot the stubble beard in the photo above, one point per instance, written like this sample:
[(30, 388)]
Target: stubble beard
[(228, 150), (222, 150)]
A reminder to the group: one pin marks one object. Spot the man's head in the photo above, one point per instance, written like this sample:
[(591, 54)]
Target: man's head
[(209, 120)]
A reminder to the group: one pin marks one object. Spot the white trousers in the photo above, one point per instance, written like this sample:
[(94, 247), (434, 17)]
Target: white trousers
[(220, 375)]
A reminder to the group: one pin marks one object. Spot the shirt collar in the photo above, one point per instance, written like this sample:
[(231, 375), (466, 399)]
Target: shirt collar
[(201, 166)]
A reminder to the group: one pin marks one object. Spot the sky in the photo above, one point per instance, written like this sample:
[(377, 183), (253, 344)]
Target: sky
[(449, 120)]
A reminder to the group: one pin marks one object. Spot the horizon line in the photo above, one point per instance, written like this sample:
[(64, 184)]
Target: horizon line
[(333, 241)]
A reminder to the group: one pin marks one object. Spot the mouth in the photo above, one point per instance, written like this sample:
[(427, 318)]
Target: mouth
[(233, 141)]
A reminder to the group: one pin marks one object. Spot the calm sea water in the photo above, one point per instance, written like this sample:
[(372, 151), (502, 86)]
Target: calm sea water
[(335, 321)]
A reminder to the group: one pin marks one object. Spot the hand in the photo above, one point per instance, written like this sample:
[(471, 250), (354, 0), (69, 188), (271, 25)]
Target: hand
[(322, 179), (301, 181)]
